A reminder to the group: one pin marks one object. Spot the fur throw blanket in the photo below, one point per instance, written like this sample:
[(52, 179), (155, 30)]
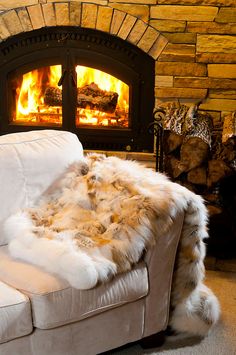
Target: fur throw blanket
[(100, 216)]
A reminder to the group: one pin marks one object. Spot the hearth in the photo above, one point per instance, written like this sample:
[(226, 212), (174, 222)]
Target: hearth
[(81, 80)]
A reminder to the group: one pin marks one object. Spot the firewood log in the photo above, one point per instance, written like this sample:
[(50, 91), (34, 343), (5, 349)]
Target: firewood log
[(225, 151), (89, 96), (217, 170), (229, 127), (193, 153), (53, 96), (186, 121), (173, 166), (197, 176), (211, 196), (196, 156), (174, 117), (213, 210), (172, 141)]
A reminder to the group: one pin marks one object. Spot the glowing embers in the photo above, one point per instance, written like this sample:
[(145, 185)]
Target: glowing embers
[(102, 99), (30, 104)]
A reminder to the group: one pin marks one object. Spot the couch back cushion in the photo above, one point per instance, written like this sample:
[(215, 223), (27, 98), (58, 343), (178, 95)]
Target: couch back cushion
[(29, 163)]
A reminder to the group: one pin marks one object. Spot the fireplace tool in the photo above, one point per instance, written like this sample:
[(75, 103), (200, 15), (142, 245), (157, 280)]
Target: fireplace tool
[(156, 129)]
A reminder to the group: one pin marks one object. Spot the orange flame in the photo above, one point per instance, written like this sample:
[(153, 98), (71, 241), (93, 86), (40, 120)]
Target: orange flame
[(105, 81), (30, 94), (30, 105)]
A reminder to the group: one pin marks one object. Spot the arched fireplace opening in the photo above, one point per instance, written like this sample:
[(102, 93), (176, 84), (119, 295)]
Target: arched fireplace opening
[(85, 81)]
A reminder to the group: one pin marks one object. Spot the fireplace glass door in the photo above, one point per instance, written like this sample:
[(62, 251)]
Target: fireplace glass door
[(102, 100), (36, 97)]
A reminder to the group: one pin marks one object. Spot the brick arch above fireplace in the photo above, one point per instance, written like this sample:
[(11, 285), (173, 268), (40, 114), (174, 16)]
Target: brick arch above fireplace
[(86, 15)]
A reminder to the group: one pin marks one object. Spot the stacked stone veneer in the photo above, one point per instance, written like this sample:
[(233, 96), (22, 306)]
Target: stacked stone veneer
[(192, 41)]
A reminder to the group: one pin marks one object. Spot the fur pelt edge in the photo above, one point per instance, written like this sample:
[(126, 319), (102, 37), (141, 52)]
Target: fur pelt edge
[(194, 307)]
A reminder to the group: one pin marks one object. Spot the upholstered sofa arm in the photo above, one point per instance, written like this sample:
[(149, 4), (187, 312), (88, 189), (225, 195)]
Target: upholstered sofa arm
[(30, 162), (160, 262)]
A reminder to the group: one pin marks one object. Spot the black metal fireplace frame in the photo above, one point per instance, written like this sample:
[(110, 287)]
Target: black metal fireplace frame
[(70, 46)]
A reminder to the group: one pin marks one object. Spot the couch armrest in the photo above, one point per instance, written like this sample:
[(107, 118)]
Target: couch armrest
[(160, 262)]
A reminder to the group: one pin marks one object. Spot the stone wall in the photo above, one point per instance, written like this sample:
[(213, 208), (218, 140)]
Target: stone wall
[(192, 41)]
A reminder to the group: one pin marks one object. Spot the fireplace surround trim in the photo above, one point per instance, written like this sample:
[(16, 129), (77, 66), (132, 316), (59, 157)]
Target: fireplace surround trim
[(85, 15)]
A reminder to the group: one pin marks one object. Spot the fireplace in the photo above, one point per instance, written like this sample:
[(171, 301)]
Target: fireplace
[(82, 80), (37, 98)]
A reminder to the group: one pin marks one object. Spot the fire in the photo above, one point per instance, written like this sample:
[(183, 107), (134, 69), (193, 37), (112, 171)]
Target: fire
[(55, 75), (107, 82), (30, 105), (30, 94), (34, 88), (87, 75)]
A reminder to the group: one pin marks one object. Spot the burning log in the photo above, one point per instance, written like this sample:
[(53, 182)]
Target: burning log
[(53, 96), (92, 97), (89, 96)]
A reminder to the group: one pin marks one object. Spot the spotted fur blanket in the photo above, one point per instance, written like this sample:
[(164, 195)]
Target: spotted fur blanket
[(98, 218)]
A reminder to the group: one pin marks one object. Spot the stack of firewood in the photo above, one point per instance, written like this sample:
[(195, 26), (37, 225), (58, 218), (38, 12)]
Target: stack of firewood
[(193, 155)]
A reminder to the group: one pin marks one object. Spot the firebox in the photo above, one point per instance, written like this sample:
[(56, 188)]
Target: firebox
[(85, 81)]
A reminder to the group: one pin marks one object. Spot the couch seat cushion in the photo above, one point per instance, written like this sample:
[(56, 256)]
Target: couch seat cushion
[(55, 302), (15, 314)]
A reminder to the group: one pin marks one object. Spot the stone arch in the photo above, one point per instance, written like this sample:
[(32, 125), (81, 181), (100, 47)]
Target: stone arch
[(86, 15)]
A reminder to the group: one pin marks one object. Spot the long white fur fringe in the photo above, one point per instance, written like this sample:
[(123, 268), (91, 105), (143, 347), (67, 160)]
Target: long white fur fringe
[(97, 219)]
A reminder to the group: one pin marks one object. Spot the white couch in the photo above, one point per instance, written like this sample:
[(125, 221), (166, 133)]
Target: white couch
[(42, 314)]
